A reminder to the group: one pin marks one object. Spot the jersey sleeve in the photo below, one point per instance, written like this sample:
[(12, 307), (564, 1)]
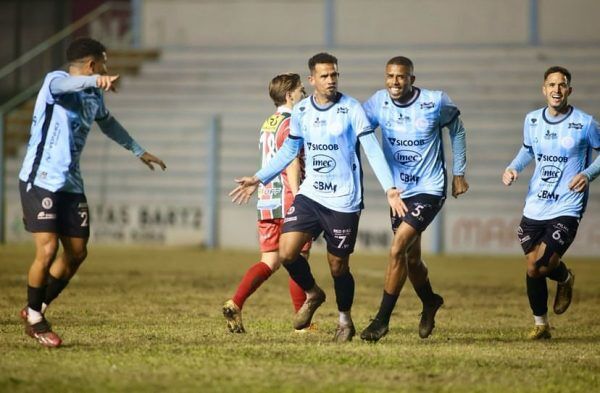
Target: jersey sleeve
[(71, 84), (295, 119), (594, 134), (370, 110), (360, 122), (102, 113), (526, 136), (448, 110)]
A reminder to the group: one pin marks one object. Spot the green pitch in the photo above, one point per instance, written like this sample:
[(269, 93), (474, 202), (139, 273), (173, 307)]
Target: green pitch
[(149, 319)]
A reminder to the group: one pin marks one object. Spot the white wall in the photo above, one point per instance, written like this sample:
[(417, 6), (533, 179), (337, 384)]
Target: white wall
[(375, 22)]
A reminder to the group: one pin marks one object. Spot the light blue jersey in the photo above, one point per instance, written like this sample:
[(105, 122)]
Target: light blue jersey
[(412, 139), (561, 150), (330, 135), (65, 109)]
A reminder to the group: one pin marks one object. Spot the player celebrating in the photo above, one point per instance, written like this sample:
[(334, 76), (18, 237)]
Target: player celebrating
[(561, 138), (328, 124), (54, 204), (274, 199), (411, 121)]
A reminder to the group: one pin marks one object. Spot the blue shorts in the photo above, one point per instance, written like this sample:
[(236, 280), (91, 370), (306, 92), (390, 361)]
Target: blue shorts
[(557, 233), (422, 209), (339, 229), (64, 213)]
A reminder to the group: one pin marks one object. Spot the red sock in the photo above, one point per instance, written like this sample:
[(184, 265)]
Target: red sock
[(298, 295), (254, 277)]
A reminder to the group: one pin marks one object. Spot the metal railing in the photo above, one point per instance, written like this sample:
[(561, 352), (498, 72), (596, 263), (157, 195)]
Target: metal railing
[(39, 50)]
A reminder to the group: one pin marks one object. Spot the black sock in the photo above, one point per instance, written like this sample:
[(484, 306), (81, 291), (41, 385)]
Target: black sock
[(54, 288), (537, 292), (344, 291), (388, 302), (35, 297), (299, 271), (424, 292), (559, 273)]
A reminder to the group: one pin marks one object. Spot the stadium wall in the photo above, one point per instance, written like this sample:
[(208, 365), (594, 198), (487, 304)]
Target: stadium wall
[(380, 22)]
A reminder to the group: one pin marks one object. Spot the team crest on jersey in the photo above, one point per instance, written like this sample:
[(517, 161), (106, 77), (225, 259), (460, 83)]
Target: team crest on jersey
[(567, 142), (47, 203), (421, 124), (533, 121)]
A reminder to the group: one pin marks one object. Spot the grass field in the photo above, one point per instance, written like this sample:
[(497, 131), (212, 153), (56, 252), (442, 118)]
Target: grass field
[(149, 319)]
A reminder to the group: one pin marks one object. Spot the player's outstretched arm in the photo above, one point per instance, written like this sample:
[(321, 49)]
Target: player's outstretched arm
[(247, 186), (72, 84), (509, 176), (151, 160), (459, 185)]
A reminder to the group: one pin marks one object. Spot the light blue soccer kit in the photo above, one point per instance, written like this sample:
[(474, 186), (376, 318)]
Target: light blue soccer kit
[(562, 148), (330, 137), (65, 109), (413, 147)]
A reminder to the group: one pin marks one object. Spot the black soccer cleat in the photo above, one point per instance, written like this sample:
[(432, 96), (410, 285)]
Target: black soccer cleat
[(427, 322), (375, 331)]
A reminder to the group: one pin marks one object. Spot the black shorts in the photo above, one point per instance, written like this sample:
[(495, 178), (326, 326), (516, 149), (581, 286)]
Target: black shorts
[(64, 213), (422, 209), (340, 229), (557, 233)]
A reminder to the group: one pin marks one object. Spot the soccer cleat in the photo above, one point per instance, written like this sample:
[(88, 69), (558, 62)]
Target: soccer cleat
[(310, 329), (42, 332), (427, 322), (375, 331), (304, 315), (344, 333), (540, 332), (233, 315), (564, 294)]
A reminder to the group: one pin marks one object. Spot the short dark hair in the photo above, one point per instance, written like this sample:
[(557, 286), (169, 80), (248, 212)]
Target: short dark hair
[(401, 61), (321, 58), (84, 47), (560, 69), (281, 85)]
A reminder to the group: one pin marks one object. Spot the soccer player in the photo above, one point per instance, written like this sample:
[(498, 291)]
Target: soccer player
[(274, 199), (560, 138), (411, 121), (328, 124), (51, 187)]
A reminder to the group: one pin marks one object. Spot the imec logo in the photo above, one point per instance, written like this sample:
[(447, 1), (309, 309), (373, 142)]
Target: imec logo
[(322, 163), (407, 158), (550, 173)]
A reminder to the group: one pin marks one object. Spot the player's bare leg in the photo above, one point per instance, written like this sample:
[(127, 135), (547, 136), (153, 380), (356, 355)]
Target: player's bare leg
[(395, 277), (36, 326), (419, 278), (290, 245), (344, 294)]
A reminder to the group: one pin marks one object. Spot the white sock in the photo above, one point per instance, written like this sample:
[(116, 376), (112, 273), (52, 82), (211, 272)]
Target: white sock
[(541, 320), (44, 307), (345, 318), (33, 316)]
